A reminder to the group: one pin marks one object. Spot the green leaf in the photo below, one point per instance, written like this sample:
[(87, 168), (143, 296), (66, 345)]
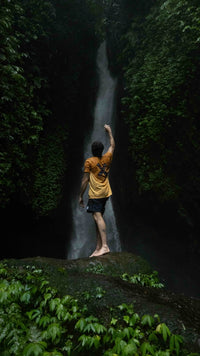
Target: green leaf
[(61, 311), (34, 349), (68, 347), (126, 332), (128, 308), (43, 284), (67, 300), (53, 303), (146, 348), (89, 327), (33, 314), (147, 320), (100, 292), (26, 297), (99, 329), (120, 345), (83, 339), (114, 321), (175, 341), (45, 320), (163, 330), (54, 332), (47, 296), (134, 319), (130, 349), (80, 324)]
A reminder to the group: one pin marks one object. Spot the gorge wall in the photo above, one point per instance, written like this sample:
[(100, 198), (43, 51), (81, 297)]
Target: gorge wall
[(58, 63)]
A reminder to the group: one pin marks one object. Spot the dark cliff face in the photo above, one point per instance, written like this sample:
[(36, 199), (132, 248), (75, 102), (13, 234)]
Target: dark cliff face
[(25, 235), (24, 232), (151, 228)]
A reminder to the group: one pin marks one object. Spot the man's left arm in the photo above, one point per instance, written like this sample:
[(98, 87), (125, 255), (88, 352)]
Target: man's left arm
[(84, 184)]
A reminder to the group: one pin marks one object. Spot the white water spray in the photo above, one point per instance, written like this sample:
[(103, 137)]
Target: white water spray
[(83, 239)]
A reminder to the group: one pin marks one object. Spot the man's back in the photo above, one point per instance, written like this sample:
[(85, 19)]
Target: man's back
[(98, 168)]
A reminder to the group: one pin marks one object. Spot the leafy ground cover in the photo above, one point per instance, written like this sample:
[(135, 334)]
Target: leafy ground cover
[(35, 319)]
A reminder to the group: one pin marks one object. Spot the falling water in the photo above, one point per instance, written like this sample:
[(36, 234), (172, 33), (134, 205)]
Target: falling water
[(83, 239)]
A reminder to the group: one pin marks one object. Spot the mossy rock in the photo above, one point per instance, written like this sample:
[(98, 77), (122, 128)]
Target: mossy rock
[(96, 282), (113, 264)]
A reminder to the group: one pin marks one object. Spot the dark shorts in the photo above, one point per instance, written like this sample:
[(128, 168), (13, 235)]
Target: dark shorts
[(96, 205)]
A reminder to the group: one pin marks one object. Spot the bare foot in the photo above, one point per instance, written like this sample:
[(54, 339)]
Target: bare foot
[(94, 253), (102, 251)]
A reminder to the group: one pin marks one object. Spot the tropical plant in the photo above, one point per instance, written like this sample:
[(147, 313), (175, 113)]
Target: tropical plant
[(148, 280), (35, 320)]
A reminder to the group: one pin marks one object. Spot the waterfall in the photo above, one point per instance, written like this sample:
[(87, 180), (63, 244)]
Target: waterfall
[(83, 238)]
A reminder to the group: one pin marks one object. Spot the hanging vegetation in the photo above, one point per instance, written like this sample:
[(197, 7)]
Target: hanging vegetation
[(47, 49)]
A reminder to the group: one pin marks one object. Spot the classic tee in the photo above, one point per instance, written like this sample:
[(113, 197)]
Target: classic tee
[(99, 186)]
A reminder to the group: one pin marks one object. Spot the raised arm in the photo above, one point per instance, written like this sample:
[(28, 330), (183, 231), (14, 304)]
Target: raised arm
[(112, 141)]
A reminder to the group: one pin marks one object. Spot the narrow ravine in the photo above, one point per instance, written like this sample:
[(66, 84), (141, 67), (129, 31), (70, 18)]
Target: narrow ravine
[(83, 238)]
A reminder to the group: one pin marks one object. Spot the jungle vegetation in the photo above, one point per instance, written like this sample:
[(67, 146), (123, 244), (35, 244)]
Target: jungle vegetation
[(47, 66), (156, 51), (37, 321), (48, 50)]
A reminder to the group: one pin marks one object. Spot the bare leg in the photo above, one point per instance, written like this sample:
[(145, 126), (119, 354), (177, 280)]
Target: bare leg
[(98, 245), (100, 223)]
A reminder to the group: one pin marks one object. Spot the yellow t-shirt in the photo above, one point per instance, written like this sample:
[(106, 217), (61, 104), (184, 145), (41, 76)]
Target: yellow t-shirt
[(99, 186)]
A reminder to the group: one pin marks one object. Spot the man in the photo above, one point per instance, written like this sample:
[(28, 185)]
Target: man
[(96, 171)]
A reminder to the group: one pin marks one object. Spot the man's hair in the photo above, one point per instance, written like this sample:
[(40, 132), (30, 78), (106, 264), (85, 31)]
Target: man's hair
[(97, 148)]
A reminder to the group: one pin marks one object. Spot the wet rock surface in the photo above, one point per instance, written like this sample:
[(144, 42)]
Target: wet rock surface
[(85, 276)]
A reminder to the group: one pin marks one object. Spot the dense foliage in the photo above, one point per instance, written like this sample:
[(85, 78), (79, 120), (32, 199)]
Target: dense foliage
[(160, 59), (51, 160), (36, 321), (119, 15), (22, 112), (47, 50)]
